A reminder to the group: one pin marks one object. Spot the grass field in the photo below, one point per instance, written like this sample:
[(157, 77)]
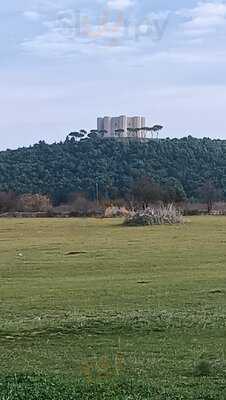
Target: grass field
[(98, 310)]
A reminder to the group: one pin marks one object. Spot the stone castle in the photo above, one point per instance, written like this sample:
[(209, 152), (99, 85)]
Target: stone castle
[(122, 126)]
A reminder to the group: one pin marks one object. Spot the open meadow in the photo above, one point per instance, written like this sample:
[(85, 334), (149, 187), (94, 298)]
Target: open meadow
[(91, 309)]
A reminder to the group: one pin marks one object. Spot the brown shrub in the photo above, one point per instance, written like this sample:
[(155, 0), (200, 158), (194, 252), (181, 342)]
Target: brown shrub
[(34, 203)]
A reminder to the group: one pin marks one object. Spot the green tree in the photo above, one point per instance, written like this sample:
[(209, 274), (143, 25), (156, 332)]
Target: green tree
[(156, 129), (119, 132), (77, 135), (209, 194), (146, 191)]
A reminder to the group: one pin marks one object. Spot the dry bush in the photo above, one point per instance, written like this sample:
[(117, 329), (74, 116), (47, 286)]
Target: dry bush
[(155, 216), (113, 212), (34, 203)]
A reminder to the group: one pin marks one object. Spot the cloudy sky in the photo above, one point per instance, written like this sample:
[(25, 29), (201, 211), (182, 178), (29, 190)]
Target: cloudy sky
[(65, 62)]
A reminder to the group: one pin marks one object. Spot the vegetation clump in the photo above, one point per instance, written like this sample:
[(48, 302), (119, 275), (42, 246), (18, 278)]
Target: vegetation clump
[(202, 368), (155, 216)]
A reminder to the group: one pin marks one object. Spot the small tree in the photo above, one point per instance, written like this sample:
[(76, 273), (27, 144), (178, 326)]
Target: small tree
[(147, 191), (83, 132), (129, 132), (136, 132), (156, 129), (119, 132), (146, 129), (209, 194), (173, 192), (77, 135), (93, 134), (102, 133), (132, 132)]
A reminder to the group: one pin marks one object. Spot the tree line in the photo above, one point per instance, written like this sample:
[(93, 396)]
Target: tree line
[(110, 169), (132, 133)]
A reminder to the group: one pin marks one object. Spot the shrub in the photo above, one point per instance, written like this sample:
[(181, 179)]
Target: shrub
[(155, 216), (34, 203), (115, 211), (202, 368)]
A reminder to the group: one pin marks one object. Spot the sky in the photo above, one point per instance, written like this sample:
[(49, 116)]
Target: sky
[(63, 63)]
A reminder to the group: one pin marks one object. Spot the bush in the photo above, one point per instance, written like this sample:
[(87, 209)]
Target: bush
[(114, 211), (202, 368), (155, 216), (34, 203)]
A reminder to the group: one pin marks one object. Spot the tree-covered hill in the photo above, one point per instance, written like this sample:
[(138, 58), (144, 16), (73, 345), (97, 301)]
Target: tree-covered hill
[(115, 165)]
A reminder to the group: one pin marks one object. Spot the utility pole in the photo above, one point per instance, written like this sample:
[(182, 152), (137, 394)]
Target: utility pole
[(97, 194)]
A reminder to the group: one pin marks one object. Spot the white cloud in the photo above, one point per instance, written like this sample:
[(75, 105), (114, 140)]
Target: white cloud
[(119, 4), (32, 15), (191, 56), (172, 66), (69, 33), (205, 18)]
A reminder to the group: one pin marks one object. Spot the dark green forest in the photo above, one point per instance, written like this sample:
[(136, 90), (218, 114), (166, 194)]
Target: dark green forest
[(114, 165)]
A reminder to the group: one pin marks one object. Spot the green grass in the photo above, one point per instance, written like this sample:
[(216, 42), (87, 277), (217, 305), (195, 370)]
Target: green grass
[(89, 305)]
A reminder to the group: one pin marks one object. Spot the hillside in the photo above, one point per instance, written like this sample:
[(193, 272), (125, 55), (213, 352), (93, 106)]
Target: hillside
[(62, 168)]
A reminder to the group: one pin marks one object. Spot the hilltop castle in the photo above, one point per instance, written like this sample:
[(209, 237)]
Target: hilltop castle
[(121, 126)]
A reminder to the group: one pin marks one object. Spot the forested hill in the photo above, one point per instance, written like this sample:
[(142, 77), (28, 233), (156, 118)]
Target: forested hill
[(62, 168)]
